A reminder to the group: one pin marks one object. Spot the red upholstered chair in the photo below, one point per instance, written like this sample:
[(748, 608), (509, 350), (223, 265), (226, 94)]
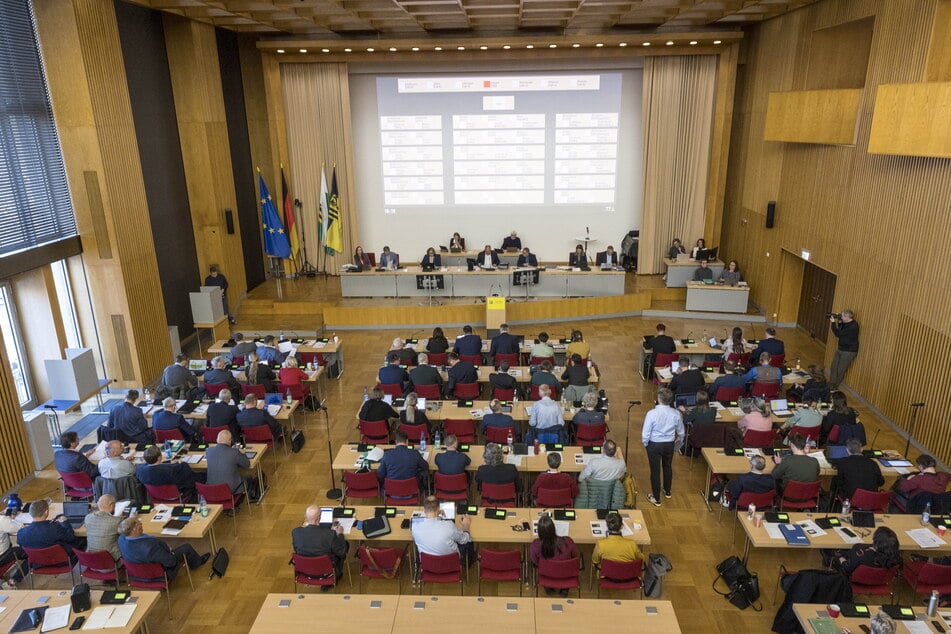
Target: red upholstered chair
[(800, 496), (759, 438), (620, 575), (161, 493), (161, 435), (299, 391), (98, 565), (440, 569), (763, 501), (805, 432), (261, 434), (374, 432), (499, 495), (664, 359), (452, 487), (588, 435), (212, 389), (873, 581), (430, 391), (221, 494), (413, 432), (727, 394), (210, 434), (923, 577), (777, 360), (77, 485), (765, 390), (303, 358), (500, 565), (467, 390), (540, 360), (372, 257), (554, 498), (254, 388), (561, 574), (437, 359), (393, 389), (315, 571), (362, 486), (739, 359), (499, 434), (875, 501), (503, 394), (238, 360), (462, 428), (401, 492), (153, 577), (381, 563), (474, 359), (52, 560), (511, 358)]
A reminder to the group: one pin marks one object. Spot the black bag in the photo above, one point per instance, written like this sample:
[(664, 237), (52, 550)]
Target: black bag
[(376, 527), (297, 440), (746, 593), (743, 586), (80, 599), (219, 564)]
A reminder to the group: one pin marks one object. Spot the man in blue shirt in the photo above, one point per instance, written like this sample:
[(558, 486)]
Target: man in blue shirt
[(392, 373), (129, 421), (268, 351), (167, 419), (546, 418), (663, 427), (43, 532), (468, 343), (70, 460), (251, 416), (138, 548)]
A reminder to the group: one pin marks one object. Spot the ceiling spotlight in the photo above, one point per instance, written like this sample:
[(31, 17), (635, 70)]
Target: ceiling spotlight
[(303, 50), (370, 50), (483, 48), (717, 41), (415, 48), (530, 46), (552, 46), (693, 42), (348, 50), (280, 50), (460, 48), (599, 44), (623, 44), (646, 44), (325, 50), (506, 47), (392, 49), (437, 48), (670, 42), (575, 45)]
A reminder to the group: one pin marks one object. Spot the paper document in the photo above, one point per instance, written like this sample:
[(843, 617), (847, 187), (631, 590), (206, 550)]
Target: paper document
[(55, 618), (201, 409), (513, 459), (121, 507), (561, 528), (317, 345), (100, 452), (735, 411), (821, 457), (925, 538), (918, 627), (273, 410), (855, 539), (772, 529), (584, 458), (665, 373), (194, 458), (448, 510), (346, 523), (811, 528), (109, 616)]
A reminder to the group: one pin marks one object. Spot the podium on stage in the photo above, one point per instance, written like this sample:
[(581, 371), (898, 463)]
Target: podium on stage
[(494, 315)]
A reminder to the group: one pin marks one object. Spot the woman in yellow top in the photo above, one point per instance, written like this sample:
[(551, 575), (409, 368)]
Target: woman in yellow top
[(578, 345), (615, 547)]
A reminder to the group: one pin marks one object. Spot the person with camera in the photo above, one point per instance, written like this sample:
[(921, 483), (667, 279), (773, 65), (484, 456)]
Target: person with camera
[(846, 330)]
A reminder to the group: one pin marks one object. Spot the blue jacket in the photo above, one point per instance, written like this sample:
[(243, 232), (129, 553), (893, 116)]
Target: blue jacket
[(257, 417), (400, 463), (531, 260), (146, 549), (503, 343), (129, 419), (497, 420), (452, 462), (437, 261), (772, 346), (462, 372), (48, 533), (178, 474), (391, 374), (167, 421), (269, 354), (69, 461), (468, 344), (221, 414)]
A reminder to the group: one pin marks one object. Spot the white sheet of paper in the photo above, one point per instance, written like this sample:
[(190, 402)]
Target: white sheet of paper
[(448, 510), (121, 506), (273, 410), (347, 524), (735, 411), (846, 538), (925, 538), (55, 618), (821, 457), (918, 627), (584, 458), (513, 459), (811, 528), (285, 346), (772, 529), (100, 452)]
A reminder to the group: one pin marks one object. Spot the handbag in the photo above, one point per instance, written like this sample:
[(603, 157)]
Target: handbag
[(297, 440), (219, 565), (386, 573), (746, 593), (376, 527), (743, 586)]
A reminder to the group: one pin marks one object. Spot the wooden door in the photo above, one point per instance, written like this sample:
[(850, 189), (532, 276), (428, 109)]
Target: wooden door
[(815, 301)]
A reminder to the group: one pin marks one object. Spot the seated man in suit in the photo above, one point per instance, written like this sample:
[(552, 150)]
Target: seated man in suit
[(488, 259), (608, 256), (224, 467), (502, 379), (102, 526), (314, 540), (731, 378), (138, 548), (223, 412), (389, 259), (219, 374), (676, 248), (43, 532), (114, 466), (70, 460), (167, 419), (431, 259), (856, 471), (688, 380), (252, 416), (503, 343), (392, 373), (157, 473), (544, 375), (401, 462), (770, 344), (755, 481), (407, 354), (129, 421), (497, 418), (268, 351), (526, 258), (459, 372), (703, 272), (578, 258), (511, 241), (242, 347), (424, 374), (468, 343), (452, 461), (178, 377)]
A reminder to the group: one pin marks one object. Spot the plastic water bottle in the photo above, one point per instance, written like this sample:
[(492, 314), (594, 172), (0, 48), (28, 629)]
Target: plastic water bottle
[(750, 511), (366, 394), (846, 507), (509, 440), (437, 441), (288, 398), (926, 514), (933, 603), (168, 450), (145, 395), (797, 363), (202, 506), (422, 442)]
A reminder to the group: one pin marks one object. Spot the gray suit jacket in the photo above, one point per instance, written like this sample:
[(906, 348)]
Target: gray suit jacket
[(102, 532), (224, 464)]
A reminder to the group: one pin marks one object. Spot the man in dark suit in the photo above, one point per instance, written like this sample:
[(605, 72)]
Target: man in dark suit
[(224, 464), (856, 471), (468, 343), (251, 416), (223, 412), (488, 258), (424, 374), (70, 460), (526, 258), (459, 372), (608, 256), (138, 548), (502, 379), (129, 421), (512, 241), (688, 380), (167, 419), (770, 344), (755, 481), (44, 532), (503, 343), (401, 462), (392, 373), (389, 259), (241, 347), (661, 343), (314, 540), (157, 473)]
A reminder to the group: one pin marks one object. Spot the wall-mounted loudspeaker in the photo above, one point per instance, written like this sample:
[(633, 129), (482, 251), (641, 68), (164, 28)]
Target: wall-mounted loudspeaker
[(229, 220), (770, 214)]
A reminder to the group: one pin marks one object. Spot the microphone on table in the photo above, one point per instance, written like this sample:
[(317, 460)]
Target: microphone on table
[(634, 402), (689, 334)]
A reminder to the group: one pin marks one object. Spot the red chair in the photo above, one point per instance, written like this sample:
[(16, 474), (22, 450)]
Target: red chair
[(210, 434), (499, 495), (739, 359), (765, 390), (160, 493), (254, 388), (77, 485), (52, 560), (238, 360), (393, 389), (372, 257), (727, 394), (800, 496), (763, 501), (440, 569), (554, 498), (153, 577), (474, 359), (262, 435), (664, 359), (777, 360), (401, 492), (873, 581), (462, 428), (374, 432), (535, 396), (759, 438), (98, 565), (380, 563), (499, 434), (212, 389), (512, 358), (221, 494), (561, 574), (590, 435), (503, 394), (303, 358), (833, 436), (299, 391), (620, 575), (437, 359), (541, 360), (361, 486), (431, 391), (315, 571), (171, 435), (924, 577), (414, 432), (452, 487), (875, 501), (467, 390), (805, 432), (500, 565)]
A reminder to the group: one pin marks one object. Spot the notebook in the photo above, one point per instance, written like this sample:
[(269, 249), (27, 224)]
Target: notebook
[(794, 534), (780, 407)]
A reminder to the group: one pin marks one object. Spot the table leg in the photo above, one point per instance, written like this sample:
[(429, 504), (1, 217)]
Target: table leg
[(706, 489), (261, 487), (212, 542), (340, 362), (746, 550)]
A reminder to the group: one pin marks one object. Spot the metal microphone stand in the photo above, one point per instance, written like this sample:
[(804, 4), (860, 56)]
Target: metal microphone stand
[(333, 493), (627, 437), (911, 425)]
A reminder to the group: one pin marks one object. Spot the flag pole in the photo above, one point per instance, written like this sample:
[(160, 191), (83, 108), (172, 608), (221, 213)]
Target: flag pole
[(307, 268)]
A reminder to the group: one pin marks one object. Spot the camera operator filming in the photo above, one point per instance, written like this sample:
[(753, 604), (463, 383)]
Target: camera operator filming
[(846, 330)]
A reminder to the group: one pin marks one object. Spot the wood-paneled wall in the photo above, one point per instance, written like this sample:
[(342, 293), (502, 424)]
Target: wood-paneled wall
[(880, 223), (16, 462)]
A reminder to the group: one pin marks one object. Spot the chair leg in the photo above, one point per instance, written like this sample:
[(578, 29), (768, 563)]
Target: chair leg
[(188, 571)]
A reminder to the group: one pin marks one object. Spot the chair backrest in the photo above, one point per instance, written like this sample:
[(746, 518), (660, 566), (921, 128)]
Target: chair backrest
[(498, 494), (764, 390), (427, 391), (254, 388), (560, 498), (461, 428), (216, 493), (372, 257), (502, 394), (48, 557), (801, 495), (136, 572), (805, 432), (163, 492), (777, 360), (467, 390), (374, 431), (728, 393), (474, 359), (437, 359), (876, 501), (739, 359), (934, 575), (239, 359), (361, 485), (96, 559), (393, 389), (413, 432), (759, 438), (258, 434), (298, 391), (374, 562), (764, 500), (540, 360), (621, 571), (161, 435), (833, 436), (873, 575), (76, 480), (558, 569), (452, 487), (499, 434), (212, 389), (587, 435), (441, 564), (511, 357), (401, 492), (707, 436), (500, 560), (210, 434), (307, 568)]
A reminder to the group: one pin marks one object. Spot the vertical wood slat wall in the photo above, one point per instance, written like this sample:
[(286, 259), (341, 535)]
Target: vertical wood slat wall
[(880, 223), (16, 462)]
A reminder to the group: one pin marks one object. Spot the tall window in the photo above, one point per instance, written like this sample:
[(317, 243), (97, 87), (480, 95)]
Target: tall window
[(13, 343), (64, 298)]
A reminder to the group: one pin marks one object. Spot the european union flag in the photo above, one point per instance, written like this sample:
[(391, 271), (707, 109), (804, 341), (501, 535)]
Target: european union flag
[(276, 243)]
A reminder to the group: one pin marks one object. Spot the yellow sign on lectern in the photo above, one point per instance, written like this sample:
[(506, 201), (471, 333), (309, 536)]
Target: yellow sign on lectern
[(495, 303), (494, 312)]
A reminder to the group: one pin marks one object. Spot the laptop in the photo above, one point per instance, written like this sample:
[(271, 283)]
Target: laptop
[(780, 407), (75, 513), (685, 400), (326, 517), (837, 452), (197, 365), (684, 257)]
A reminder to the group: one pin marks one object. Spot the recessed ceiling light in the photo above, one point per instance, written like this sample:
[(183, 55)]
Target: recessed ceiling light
[(438, 48), (646, 44), (483, 48), (599, 44), (303, 50), (415, 48), (670, 42), (623, 44), (370, 50), (552, 46), (280, 50), (392, 49), (506, 47), (717, 41), (460, 48), (348, 50), (693, 42), (576, 45), (530, 46), (325, 50)]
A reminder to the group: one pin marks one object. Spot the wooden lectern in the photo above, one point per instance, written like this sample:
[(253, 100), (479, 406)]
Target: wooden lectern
[(494, 315)]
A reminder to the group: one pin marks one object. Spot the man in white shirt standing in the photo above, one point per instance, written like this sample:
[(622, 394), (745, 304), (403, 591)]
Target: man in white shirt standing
[(435, 535), (663, 425)]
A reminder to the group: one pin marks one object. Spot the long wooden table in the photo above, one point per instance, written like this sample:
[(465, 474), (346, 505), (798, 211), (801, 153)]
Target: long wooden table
[(679, 273), (323, 345), (450, 409), (521, 373), (806, 611), (406, 613), (19, 600), (717, 298)]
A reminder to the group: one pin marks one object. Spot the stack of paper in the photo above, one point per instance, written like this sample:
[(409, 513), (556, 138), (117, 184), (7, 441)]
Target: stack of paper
[(110, 616), (194, 458), (925, 538), (55, 618), (273, 410)]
